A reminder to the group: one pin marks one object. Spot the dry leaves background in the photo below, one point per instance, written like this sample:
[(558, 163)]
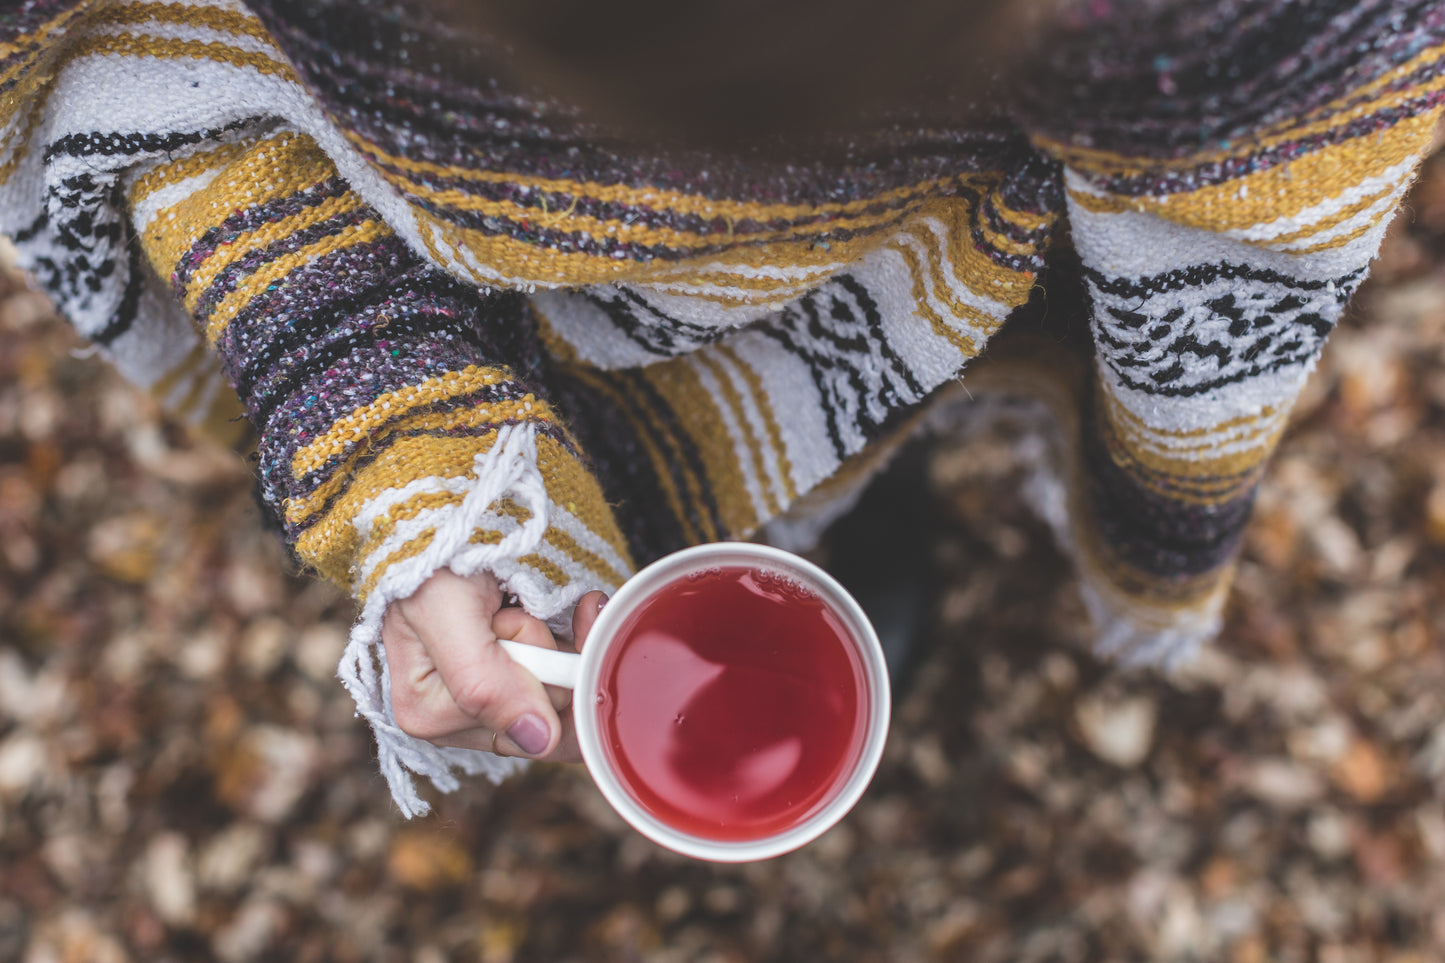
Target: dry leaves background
[(182, 779)]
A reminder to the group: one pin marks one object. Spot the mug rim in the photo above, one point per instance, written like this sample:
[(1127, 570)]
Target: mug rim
[(639, 589)]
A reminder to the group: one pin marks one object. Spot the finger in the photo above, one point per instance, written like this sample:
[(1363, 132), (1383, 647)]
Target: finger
[(489, 740), (589, 607), (452, 619), (516, 625)]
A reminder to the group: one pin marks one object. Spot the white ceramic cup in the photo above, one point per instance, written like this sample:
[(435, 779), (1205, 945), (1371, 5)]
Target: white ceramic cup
[(581, 673)]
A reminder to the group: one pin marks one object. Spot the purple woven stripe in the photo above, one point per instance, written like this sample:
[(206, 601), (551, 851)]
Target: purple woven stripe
[(415, 309), (312, 288), (1206, 175), (1168, 81), (253, 260), (243, 222)]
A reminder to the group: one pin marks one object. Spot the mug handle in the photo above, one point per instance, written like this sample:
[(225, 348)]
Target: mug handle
[(548, 665)]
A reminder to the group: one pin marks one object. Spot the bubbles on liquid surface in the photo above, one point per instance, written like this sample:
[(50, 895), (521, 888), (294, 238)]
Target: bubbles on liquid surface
[(781, 586), (701, 574)]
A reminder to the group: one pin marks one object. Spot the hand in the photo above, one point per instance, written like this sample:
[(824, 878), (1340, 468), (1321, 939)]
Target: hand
[(453, 685)]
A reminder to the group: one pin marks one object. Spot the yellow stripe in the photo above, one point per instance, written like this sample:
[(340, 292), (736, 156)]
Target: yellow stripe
[(593, 562), (1282, 191), (704, 276), (750, 442), (21, 142), (995, 238), (383, 527), (770, 422), (174, 172), (1148, 441), (571, 486), (1214, 485), (743, 301), (1118, 411), (699, 421), (268, 170), (411, 549), (570, 222), (1342, 239), (234, 250), (941, 328), (162, 48), (1114, 205), (1027, 220), (332, 545), (331, 542), (227, 21), (360, 422), (517, 261), (254, 284), (986, 322), (434, 423)]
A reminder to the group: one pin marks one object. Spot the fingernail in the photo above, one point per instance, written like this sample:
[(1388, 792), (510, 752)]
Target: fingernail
[(530, 734), (602, 602)]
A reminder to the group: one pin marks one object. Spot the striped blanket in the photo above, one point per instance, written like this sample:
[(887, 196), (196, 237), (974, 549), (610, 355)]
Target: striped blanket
[(470, 330)]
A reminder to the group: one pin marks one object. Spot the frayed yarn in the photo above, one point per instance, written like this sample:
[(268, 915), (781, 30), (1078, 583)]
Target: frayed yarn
[(507, 470)]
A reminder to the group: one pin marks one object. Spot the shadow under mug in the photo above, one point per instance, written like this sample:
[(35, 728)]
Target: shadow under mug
[(616, 626)]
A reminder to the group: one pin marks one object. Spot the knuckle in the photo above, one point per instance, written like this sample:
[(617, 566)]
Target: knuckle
[(477, 696)]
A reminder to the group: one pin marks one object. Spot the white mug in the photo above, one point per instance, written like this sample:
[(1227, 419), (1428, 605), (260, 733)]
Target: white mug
[(583, 674)]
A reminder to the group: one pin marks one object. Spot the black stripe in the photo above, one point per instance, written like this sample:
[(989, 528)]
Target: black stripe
[(682, 444), (115, 143), (1198, 275), (1156, 386), (125, 312), (875, 323)]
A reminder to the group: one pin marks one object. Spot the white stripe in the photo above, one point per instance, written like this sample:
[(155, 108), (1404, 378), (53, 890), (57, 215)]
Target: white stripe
[(172, 194), (1377, 214)]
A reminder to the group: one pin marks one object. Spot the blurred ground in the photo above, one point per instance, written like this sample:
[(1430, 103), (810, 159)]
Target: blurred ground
[(182, 779)]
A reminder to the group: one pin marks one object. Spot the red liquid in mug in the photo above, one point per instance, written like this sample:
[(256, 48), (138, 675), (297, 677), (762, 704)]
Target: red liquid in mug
[(734, 707)]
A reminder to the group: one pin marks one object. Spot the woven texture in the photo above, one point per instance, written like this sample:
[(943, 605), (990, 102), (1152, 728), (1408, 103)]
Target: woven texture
[(473, 332)]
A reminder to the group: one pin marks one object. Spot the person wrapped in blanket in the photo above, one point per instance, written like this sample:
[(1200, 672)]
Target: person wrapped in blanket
[(519, 297)]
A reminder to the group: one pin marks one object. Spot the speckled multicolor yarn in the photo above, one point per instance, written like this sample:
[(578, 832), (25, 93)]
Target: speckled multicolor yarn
[(473, 332)]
